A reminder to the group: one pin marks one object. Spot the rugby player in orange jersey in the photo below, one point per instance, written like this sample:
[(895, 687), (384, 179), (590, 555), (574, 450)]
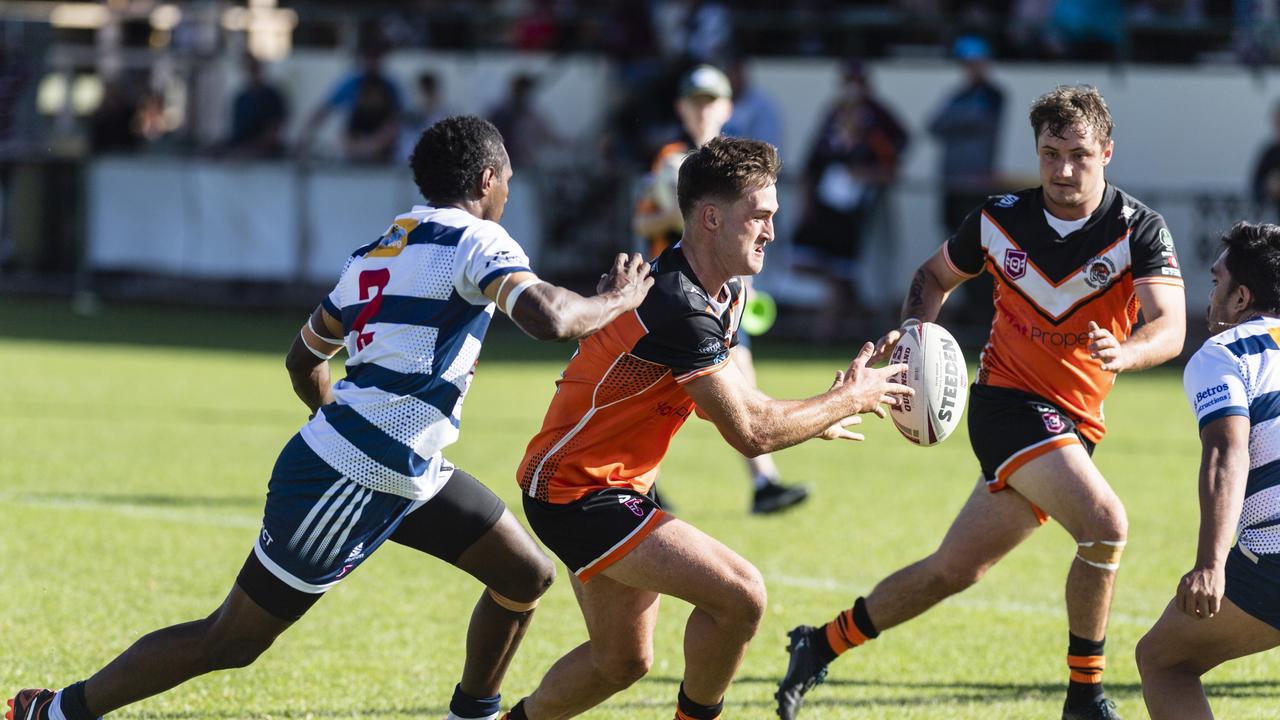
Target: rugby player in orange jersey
[(587, 474), (704, 107), (1073, 262)]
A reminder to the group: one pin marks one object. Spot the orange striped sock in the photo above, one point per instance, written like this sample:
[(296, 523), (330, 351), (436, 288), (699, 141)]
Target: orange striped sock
[(1087, 669), (687, 709), (851, 628), (1086, 659)]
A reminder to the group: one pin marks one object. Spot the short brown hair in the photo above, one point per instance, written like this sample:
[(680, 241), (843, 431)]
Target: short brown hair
[(726, 168), (1067, 106)]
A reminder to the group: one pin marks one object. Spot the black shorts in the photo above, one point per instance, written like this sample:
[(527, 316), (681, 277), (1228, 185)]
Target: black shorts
[(1009, 428), (595, 531), (444, 526), (1253, 584)]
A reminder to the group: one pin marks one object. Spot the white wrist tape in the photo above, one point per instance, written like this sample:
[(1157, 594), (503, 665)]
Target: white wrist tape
[(516, 292)]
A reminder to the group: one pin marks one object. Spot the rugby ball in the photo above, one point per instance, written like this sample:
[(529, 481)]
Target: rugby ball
[(936, 371)]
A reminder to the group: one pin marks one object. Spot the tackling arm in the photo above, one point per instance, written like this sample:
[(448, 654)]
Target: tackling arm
[(754, 423), (549, 312), (930, 287), (308, 359), (1224, 468)]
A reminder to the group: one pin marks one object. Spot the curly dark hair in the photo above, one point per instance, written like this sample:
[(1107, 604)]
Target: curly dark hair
[(1067, 106), (451, 156), (1253, 259), (726, 168)]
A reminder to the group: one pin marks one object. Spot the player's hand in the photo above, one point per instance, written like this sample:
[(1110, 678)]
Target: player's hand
[(1200, 592), (628, 278), (838, 431), (1105, 348), (868, 388), (884, 347)]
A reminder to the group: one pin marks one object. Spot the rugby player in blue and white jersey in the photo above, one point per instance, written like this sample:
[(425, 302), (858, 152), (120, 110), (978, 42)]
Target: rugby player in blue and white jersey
[(1228, 605), (411, 309)]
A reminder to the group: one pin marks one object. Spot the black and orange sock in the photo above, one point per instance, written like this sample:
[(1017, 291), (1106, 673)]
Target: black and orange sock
[(687, 709), (1087, 661), (516, 713), (850, 629)]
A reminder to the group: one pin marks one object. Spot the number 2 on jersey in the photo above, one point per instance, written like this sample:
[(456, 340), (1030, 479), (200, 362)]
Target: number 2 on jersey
[(372, 283)]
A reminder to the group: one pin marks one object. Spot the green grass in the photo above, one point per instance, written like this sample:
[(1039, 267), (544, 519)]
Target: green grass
[(135, 448)]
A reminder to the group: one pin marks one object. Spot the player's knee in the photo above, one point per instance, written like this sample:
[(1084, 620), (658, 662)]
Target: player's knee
[(536, 578), (226, 653), (621, 670), (949, 576), (745, 606)]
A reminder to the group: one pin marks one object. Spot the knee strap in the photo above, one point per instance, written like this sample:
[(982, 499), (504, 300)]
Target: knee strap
[(1102, 554), (509, 604)]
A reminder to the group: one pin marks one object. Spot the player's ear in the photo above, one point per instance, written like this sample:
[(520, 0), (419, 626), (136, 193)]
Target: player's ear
[(488, 178), (1108, 148), (709, 216), (1243, 299)]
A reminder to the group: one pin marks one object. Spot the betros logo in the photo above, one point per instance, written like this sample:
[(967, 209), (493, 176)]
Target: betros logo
[(1210, 392), (1015, 264)]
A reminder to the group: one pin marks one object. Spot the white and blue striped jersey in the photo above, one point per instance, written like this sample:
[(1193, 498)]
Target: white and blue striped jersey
[(1237, 372), (414, 313)]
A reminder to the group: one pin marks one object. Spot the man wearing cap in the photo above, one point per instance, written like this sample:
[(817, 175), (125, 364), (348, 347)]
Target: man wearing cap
[(704, 105)]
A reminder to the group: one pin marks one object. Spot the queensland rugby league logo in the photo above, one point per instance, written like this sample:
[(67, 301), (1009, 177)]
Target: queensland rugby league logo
[(1099, 271), (1053, 421), (1015, 263)]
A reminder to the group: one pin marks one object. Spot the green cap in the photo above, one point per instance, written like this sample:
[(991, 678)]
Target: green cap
[(706, 80)]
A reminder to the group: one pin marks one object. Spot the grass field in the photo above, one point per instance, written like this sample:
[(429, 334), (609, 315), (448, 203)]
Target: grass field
[(134, 453)]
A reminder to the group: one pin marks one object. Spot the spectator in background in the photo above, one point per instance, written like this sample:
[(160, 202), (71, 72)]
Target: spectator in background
[(854, 158), (111, 127), (431, 109), (967, 125), (1087, 29), (523, 128), (372, 103), (1266, 171), (258, 114), (756, 115)]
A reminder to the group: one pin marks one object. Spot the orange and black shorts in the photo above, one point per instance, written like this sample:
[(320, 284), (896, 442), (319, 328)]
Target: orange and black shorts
[(596, 530), (1009, 428)]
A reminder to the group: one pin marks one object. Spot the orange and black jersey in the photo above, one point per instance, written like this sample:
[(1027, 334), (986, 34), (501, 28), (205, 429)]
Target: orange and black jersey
[(621, 398), (1048, 288)]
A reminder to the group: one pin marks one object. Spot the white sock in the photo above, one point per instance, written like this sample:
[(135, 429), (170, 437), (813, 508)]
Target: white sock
[(761, 481), (55, 708)]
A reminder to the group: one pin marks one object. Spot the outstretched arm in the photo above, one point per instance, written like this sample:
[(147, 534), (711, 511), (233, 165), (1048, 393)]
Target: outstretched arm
[(308, 358), (754, 423), (929, 289), (550, 312)]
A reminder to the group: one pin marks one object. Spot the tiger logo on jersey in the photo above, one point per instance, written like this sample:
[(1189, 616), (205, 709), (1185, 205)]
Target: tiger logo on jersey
[(1099, 271)]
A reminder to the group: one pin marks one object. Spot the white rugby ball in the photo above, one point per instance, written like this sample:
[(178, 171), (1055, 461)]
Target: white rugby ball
[(936, 371)]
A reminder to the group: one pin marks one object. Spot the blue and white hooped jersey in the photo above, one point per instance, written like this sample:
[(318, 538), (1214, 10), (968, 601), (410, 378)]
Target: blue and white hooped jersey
[(1237, 372), (414, 313)]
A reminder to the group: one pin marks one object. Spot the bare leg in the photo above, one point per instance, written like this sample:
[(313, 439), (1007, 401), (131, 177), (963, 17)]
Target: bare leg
[(233, 636), (507, 560), (1179, 649), (1068, 486), (987, 528), (676, 559)]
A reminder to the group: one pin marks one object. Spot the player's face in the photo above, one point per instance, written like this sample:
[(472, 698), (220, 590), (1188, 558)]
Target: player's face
[(1226, 302), (703, 116), (748, 227), (1071, 171), (496, 200)]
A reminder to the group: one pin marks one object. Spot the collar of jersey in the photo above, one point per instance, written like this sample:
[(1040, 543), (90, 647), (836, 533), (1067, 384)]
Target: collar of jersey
[(1108, 197)]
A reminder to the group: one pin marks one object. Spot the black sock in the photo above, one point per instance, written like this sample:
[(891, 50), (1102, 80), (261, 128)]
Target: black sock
[(863, 620), (517, 712), (465, 706), (73, 703), (694, 711), (1086, 658)]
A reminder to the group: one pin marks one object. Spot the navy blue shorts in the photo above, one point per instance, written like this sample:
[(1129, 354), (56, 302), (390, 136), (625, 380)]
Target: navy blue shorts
[(1255, 586), (319, 526)]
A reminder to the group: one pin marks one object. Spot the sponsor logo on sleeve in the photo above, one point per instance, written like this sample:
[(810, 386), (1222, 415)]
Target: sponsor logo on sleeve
[(1166, 240), (1211, 396), (1007, 201), (1015, 263)]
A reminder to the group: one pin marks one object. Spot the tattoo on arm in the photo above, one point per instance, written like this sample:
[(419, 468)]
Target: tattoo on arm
[(915, 296)]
